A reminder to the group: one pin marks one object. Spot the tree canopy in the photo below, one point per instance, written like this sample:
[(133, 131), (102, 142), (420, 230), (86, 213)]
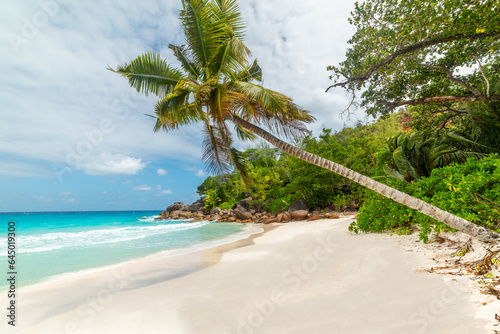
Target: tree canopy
[(434, 53)]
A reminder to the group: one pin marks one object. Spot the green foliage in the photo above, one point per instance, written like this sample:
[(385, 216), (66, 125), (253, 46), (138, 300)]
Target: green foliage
[(281, 203), (405, 50), (277, 179), (409, 156), (470, 190), (219, 190)]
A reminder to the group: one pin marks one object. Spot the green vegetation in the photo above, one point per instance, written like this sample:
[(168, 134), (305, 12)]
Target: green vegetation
[(411, 52), (277, 179), (470, 190)]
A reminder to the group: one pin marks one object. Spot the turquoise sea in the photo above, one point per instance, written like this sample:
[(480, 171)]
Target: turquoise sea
[(51, 244)]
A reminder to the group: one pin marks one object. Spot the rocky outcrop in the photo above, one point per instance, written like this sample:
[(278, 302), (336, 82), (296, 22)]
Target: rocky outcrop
[(176, 206), (241, 213), (216, 211), (196, 206), (247, 211), (245, 203)]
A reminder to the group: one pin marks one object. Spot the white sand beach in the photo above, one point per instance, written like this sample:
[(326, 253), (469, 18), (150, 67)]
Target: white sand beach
[(301, 277)]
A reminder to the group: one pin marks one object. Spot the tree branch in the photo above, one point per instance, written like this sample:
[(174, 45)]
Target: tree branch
[(449, 76), (456, 111), (440, 99), (484, 77), (445, 122), (418, 46)]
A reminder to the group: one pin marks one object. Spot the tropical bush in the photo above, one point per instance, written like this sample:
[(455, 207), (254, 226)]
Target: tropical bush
[(470, 190)]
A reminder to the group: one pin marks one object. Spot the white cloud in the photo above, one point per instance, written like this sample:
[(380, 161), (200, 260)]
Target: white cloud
[(72, 94), (166, 192), (200, 173), (42, 198), (158, 187), (111, 164), (144, 187), (161, 172), (127, 182), (66, 193)]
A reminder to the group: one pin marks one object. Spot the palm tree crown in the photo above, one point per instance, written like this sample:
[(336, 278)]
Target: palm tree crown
[(216, 82)]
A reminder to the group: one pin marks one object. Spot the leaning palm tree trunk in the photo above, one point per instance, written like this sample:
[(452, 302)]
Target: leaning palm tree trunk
[(432, 211)]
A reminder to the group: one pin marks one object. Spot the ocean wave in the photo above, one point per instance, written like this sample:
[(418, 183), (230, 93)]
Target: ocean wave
[(52, 241), (148, 219)]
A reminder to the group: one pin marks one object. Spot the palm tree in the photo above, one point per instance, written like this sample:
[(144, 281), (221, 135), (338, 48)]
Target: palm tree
[(412, 157), (218, 86)]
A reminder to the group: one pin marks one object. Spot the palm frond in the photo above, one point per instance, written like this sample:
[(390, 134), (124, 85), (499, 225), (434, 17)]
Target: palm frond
[(458, 156), (227, 60), (182, 54), (239, 163), (467, 143), (215, 154), (229, 13), (266, 98), (403, 165), (174, 110), (150, 74), (243, 134), (393, 173), (204, 32), (252, 72)]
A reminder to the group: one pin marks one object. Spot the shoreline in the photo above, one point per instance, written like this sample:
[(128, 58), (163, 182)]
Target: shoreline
[(303, 276), (127, 275), (235, 237)]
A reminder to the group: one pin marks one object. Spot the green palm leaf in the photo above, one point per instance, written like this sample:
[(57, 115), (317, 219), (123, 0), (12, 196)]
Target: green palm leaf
[(215, 156), (174, 110), (182, 54), (204, 32), (150, 74)]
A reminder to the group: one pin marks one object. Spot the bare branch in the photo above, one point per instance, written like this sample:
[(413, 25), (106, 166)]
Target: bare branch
[(449, 76), (443, 126), (441, 99), (484, 77), (438, 39)]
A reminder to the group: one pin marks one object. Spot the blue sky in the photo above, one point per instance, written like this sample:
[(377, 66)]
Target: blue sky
[(73, 136)]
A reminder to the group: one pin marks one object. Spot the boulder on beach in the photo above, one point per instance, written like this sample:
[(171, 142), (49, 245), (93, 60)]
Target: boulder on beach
[(287, 217), (175, 214), (245, 203), (175, 207), (195, 207), (241, 213), (298, 205), (332, 215), (299, 214), (216, 211)]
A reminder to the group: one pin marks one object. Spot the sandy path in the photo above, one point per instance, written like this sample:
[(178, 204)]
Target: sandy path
[(303, 277)]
